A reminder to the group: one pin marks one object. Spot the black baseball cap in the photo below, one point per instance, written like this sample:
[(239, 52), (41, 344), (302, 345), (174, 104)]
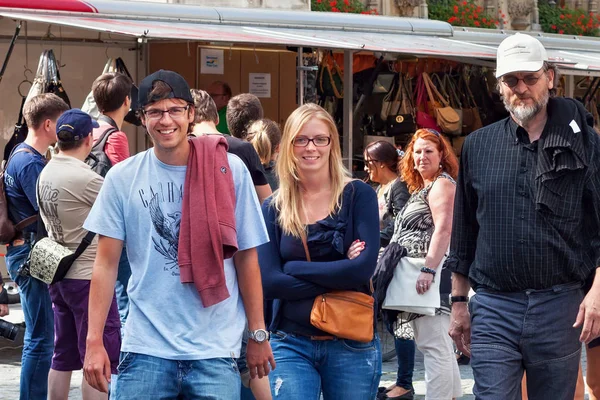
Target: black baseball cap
[(179, 87), (74, 125)]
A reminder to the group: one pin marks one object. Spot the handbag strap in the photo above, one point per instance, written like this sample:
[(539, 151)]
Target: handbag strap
[(432, 90), (11, 46), (20, 120), (305, 244), (120, 65), (451, 89)]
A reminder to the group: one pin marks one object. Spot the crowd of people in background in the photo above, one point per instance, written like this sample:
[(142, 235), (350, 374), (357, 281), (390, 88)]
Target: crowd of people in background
[(222, 256)]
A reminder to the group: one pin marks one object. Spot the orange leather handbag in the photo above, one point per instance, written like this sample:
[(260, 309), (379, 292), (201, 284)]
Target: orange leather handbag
[(345, 314)]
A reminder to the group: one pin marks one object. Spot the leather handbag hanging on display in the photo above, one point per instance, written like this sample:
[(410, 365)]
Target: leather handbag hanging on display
[(448, 89), (343, 313), (40, 82), (403, 121), (471, 117), (54, 83), (114, 65), (47, 78), (331, 78), (390, 103), (424, 118), (89, 104), (445, 116)]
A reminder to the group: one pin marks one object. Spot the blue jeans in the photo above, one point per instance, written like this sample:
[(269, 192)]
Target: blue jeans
[(341, 369), (405, 355), (531, 331), (146, 377), (39, 331), (123, 275)]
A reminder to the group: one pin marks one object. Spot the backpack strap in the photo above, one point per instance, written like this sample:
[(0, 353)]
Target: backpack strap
[(14, 152), (29, 220), (101, 143)]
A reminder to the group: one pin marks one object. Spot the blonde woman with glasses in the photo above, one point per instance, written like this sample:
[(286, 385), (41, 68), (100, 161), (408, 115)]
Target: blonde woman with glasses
[(317, 200)]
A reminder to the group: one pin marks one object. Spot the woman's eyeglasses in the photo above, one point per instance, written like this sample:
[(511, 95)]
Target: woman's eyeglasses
[(529, 80), (319, 141), (174, 112)]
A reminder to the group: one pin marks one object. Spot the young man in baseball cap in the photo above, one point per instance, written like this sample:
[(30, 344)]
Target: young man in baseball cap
[(525, 231), (66, 191), (187, 336)]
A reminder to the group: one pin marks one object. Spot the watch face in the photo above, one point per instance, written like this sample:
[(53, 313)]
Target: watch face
[(260, 335)]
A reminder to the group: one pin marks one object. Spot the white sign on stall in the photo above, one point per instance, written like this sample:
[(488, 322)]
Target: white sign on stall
[(260, 85), (211, 61)]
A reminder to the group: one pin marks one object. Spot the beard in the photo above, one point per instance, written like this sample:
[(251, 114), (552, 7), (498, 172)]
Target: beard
[(523, 113)]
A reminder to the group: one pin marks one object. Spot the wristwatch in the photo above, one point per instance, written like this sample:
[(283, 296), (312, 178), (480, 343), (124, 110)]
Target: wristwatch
[(259, 335), (458, 299)]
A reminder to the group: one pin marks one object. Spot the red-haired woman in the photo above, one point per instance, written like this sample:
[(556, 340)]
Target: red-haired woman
[(423, 227)]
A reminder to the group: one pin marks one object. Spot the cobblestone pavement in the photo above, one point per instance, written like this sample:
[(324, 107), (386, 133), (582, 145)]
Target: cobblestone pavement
[(10, 366)]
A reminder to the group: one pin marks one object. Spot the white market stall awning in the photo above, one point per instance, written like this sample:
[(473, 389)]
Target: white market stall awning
[(229, 26), (407, 43)]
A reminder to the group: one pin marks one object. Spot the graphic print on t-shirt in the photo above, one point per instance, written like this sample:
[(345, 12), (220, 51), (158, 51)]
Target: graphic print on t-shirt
[(166, 224), (48, 203)]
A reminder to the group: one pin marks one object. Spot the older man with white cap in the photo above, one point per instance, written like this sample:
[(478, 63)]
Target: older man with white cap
[(526, 235)]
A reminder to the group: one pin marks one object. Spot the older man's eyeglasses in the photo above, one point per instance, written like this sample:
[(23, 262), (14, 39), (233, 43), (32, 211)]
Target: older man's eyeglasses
[(512, 81), (319, 141), (174, 112)]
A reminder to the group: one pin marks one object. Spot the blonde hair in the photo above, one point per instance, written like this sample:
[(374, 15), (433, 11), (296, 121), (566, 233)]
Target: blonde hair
[(265, 136), (288, 199)]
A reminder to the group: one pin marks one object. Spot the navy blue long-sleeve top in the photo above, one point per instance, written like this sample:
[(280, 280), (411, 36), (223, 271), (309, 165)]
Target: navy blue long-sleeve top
[(293, 283)]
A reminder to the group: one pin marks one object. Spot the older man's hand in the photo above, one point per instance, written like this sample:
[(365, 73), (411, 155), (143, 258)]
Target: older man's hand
[(589, 315)]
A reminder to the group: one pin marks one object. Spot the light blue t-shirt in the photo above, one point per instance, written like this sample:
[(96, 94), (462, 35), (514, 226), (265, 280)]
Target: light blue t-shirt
[(140, 203)]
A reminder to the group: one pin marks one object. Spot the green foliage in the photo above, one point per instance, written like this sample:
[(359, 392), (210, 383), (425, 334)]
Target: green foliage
[(344, 6), (568, 21)]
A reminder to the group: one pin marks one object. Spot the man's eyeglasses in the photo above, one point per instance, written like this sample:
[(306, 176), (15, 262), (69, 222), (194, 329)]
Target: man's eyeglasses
[(174, 112), (529, 80), (319, 141)]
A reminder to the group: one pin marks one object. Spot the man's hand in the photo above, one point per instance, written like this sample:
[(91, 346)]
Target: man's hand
[(4, 310), (96, 366), (258, 358), (460, 328), (589, 315)]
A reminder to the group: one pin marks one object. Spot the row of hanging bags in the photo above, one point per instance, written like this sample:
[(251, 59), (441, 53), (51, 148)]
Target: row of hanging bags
[(115, 65), (47, 78)]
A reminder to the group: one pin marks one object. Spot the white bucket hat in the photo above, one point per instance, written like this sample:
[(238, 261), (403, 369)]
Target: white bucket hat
[(520, 53)]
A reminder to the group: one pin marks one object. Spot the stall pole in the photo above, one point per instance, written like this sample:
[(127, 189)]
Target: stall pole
[(348, 108), (300, 75), (570, 86)]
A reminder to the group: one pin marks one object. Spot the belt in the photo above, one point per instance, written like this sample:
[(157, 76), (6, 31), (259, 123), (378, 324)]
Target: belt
[(323, 337), (317, 337)]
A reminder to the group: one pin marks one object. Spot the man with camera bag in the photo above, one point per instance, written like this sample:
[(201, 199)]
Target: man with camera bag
[(67, 190), (20, 177)]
